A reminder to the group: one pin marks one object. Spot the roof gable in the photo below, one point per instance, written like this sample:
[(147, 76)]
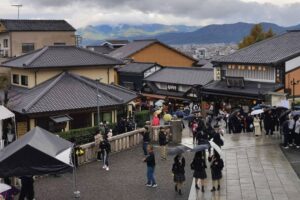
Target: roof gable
[(61, 56), (36, 25), (138, 45), (69, 91)]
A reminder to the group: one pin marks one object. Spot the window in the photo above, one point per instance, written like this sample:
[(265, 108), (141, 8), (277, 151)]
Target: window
[(59, 43), (27, 47), (16, 79), (129, 85), (5, 43), (24, 80)]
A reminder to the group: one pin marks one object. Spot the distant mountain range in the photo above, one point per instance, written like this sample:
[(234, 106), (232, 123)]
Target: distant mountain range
[(94, 34), (178, 34)]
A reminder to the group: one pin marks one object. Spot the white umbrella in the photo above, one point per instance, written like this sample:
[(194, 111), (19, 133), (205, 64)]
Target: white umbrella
[(159, 103), (217, 148), (256, 112), (4, 187)]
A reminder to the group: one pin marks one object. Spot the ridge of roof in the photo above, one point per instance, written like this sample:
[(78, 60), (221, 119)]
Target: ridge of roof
[(250, 46), (46, 89), (35, 56), (97, 53), (96, 87), (124, 89), (187, 68)]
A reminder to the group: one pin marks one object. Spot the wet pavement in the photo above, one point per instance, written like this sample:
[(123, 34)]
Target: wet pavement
[(255, 168)]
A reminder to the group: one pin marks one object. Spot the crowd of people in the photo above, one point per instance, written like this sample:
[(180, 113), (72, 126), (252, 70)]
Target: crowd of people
[(203, 133)]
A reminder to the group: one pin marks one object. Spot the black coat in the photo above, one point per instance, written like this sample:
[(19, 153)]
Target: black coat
[(178, 167), (216, 166), (162, 138), (105, 146)]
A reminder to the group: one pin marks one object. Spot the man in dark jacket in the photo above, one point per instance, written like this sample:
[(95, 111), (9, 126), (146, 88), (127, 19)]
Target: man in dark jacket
[(146, 139), (105, 150), (285, 132), (163, 143), (150, 160)]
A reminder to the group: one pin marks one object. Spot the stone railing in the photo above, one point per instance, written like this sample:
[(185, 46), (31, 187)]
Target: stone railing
[(154, 130), (118, 143)]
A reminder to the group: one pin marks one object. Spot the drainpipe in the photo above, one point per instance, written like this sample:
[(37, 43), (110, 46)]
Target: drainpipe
[(108, 75), (10, 45)]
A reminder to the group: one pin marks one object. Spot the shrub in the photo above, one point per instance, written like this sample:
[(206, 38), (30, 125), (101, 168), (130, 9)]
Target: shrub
[(82, 135), (141, 117)]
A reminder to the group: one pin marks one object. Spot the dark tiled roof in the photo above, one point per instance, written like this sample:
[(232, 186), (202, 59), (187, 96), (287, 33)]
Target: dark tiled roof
[(61, 56), (101, 49), (182, 75), (136, 67), (69, 91), (250, 89), (36, 25), (270, 51), (156, 90), (131, 48)]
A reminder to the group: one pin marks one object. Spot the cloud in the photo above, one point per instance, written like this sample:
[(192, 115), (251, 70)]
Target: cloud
[(83, 12)]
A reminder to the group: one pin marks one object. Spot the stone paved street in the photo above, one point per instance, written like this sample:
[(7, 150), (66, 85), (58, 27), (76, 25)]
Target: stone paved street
[(255, 168)]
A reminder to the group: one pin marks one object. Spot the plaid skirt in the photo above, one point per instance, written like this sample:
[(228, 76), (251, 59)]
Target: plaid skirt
[(200, 174), (179, 178)]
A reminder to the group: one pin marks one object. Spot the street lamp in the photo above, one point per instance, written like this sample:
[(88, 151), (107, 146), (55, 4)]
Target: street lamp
[(293, 83), (18, 6), (98, 97)]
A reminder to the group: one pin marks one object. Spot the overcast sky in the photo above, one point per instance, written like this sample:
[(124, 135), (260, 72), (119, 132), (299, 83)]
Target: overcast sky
[(189, 12)]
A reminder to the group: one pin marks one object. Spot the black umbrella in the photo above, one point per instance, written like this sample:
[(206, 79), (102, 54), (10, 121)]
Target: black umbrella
[(234, 112), (284, 114), (190, 117)]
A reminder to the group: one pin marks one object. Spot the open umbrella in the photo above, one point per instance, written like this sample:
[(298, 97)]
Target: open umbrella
[(4, 187), (216, 147), (285, 113), (190, 117), (200, 147), (179, 114), (159, 103), (256, 112), (295, 113), (177, 150), (167, 117), (296, 107)]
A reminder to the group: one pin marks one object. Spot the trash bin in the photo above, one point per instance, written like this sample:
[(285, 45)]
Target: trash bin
[(176, 130)]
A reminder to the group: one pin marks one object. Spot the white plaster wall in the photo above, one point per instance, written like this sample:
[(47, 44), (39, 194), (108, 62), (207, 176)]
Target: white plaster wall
[(292, 64)]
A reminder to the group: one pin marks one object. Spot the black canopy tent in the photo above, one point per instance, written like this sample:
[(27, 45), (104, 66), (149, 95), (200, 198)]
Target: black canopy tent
[(38, 152)]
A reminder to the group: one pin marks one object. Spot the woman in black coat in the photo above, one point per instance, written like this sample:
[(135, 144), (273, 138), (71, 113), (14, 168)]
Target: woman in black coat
[(178, 171), (216, 166), (199, 166)]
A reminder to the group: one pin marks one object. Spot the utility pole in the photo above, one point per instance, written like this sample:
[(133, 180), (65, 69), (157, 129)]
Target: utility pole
[(294, 83), (18, 6), (98, 106)]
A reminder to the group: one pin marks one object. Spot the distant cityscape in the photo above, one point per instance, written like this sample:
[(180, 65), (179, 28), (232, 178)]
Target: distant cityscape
[(207, 51)]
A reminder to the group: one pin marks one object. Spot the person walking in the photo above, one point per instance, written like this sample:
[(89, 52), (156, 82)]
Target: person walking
[(163, 143), (105, 149), (216, 166), (150, 160), (291, 130), (98, 138), (146, 140), (256, 124), (297, 134), (285, 132), (199, 166), (178, 171)]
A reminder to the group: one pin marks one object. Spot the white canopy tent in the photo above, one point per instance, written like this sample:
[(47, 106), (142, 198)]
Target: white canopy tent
[(4, 114)]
